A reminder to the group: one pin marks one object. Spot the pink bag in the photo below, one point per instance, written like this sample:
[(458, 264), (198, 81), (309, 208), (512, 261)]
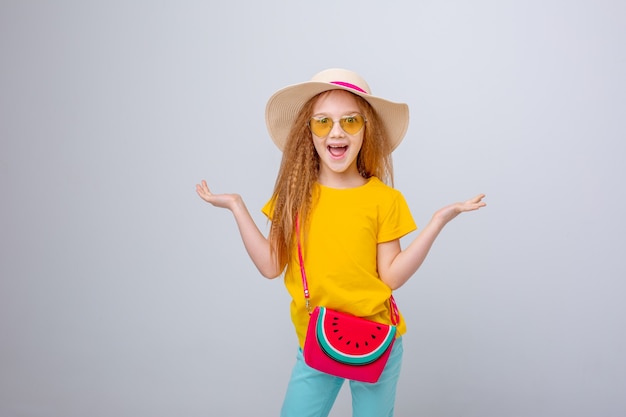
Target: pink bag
[(346, 346)]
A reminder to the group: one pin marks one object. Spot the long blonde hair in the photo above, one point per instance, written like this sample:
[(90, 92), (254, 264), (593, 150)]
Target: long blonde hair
[(299, 169)]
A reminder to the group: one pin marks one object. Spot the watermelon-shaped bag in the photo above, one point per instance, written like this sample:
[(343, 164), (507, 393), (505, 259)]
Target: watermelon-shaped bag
[(344, 345), (347, 346)]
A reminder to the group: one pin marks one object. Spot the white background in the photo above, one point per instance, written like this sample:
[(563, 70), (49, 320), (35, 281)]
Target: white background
[(123, 294)]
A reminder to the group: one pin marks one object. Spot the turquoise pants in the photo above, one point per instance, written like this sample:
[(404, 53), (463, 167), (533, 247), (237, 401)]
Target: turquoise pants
[(311, 393)]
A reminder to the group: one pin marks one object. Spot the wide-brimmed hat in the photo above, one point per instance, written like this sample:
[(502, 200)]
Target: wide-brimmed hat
[(283, 107)]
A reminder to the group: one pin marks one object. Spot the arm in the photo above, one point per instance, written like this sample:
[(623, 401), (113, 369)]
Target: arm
[(256, 244), (396, 266)]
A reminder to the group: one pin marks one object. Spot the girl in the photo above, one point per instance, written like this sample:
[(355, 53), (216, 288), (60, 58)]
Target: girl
[(335, 186)]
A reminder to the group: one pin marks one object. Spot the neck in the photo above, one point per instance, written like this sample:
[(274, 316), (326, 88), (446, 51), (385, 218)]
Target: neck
[(341, 179)]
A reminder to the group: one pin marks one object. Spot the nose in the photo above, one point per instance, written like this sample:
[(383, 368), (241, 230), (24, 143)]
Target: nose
[(336, 131)]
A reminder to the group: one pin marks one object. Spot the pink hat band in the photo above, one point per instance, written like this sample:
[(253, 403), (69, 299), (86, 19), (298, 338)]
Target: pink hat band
[(352, 86)]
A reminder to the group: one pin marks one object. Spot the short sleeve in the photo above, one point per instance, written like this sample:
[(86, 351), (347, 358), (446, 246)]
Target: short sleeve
[(268, 209), (395, 220)]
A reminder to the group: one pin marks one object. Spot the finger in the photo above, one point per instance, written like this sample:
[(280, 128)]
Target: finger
[(205, 188), (203, 192), (476, 199), (200, 191)]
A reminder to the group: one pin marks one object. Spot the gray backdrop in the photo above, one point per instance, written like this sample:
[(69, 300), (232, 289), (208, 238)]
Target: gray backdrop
[(123, 294)]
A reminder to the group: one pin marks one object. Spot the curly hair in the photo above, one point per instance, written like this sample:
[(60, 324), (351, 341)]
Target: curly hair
[(299, 170)]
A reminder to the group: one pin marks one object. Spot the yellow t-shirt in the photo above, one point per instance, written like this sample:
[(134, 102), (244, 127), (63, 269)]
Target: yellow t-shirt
[(346, 225)]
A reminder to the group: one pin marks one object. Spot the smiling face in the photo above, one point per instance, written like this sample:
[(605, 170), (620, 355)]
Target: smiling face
[(338, 150)]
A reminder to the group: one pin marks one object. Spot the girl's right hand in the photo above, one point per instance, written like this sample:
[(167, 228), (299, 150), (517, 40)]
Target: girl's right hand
[(228, 201), (257, 245)]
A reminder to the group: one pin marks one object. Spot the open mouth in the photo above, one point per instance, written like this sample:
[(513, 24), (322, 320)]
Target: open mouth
[(337, 151)]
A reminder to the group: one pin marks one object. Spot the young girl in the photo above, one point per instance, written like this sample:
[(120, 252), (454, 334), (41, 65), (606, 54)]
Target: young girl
[(335, 186)]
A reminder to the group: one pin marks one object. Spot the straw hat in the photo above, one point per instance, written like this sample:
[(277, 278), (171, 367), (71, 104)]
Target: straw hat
[(283, 107)]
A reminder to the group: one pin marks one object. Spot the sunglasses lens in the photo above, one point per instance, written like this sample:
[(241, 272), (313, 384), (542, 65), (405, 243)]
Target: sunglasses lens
[(321, 127), (352, 124)]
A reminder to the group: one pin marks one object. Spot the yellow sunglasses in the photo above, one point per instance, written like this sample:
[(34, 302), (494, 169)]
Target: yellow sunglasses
[(321, 126)]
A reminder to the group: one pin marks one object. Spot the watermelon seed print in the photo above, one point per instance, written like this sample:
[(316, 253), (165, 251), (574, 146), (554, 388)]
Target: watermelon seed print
[(349, 342)]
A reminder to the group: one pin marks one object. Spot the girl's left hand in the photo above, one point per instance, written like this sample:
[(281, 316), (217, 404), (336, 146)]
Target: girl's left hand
[(448, 213)]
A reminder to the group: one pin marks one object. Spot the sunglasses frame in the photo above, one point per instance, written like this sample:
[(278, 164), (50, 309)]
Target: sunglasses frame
[(341, 121)]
